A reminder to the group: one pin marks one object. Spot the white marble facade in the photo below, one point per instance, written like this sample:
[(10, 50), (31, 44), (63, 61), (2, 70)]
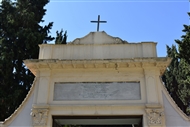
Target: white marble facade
[(98, 75)]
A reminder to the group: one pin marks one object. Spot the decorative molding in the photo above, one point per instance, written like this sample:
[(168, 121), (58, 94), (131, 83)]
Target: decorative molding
[(35, 65), (39, 116), (74, 65), (153, 105), (96, 65), (76, 41), (118, 40), (116, 65), (85, 66), (155, 117), (107, 65), (82, 40), (63, 65)]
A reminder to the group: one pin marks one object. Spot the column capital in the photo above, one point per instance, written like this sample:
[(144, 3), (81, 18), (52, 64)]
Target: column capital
[(39, 116), (155, 116)]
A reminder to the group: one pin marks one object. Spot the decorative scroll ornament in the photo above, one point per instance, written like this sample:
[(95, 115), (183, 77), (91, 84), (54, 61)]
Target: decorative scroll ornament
[(39, 116), (118, 41), (76, 41), (155, 116)]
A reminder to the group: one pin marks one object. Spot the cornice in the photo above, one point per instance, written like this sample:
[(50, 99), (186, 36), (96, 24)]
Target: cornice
[(36, 65)]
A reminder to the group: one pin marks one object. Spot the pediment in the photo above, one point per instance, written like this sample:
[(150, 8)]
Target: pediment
[(98, 38)]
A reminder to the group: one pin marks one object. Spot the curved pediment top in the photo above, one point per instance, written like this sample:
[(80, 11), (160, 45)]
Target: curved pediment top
[(98, 38)]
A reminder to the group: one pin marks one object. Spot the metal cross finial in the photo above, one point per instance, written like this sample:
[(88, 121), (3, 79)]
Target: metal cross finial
[(98, 22)]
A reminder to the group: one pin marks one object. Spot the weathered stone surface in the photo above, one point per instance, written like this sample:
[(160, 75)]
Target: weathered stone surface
[(98, 51), (97, 91), (97, 38)]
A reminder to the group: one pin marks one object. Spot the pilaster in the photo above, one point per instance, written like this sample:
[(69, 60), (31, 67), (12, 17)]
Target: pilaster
[(43, 87), (151, 86)]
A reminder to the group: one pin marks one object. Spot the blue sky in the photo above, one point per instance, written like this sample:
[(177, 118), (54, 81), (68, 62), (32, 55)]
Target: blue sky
[(160, 21)]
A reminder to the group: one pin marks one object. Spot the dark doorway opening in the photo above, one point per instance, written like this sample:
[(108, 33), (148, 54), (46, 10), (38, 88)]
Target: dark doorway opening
[(97, 121)]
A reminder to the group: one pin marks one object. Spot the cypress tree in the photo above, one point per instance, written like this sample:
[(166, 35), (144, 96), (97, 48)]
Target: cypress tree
[(175, 78), (60, 38), (184, 44), (177, 75), (20, 34)]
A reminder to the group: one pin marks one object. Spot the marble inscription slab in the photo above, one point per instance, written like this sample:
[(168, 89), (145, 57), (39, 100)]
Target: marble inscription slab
[(97, 91)]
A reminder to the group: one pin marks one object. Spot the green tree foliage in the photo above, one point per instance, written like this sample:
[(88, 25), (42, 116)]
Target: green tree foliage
[(60, 38), (184, 43), (177, 75), (20, 34), (176, 79)]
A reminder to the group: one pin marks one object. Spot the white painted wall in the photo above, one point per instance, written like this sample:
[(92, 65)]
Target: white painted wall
[(172, 117), (23, 119)]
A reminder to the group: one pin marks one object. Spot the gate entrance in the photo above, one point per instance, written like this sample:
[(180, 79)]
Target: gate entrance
[(97, 121)]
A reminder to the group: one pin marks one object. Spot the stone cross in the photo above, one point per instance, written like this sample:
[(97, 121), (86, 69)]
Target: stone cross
[(98, 22)]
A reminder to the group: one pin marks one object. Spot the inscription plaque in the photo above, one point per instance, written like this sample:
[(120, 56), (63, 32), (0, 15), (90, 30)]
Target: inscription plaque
[(97, 91)]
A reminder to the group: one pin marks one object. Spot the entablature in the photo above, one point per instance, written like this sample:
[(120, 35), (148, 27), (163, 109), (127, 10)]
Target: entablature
[(36, 65)]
